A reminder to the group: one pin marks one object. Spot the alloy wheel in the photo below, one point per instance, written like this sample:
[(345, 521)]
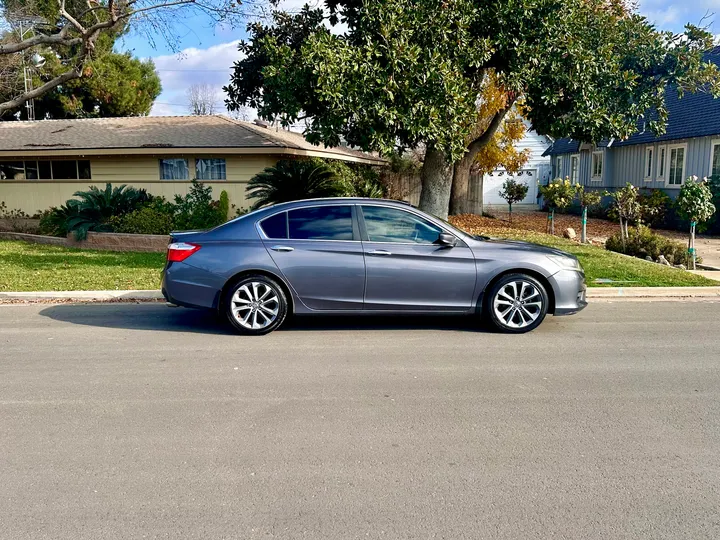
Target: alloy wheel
[(518, 304), (255, 305)]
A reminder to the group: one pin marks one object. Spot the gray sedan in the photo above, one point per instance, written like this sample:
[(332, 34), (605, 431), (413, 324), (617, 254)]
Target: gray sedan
[(365, 256)]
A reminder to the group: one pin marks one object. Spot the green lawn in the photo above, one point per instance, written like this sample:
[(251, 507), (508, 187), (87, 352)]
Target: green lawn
[(35, 267), (600, 263)]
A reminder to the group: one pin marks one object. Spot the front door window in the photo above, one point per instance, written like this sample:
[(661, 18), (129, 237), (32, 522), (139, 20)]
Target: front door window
[(396, 226)]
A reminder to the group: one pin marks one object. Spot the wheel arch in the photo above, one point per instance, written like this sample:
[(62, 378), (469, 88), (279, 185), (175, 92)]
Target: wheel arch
[(545, 282), (245, 273)]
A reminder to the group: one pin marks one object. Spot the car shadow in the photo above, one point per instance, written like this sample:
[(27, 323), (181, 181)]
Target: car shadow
[(158, 317)]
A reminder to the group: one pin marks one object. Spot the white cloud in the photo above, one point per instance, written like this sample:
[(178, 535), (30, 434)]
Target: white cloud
[(662, 17), (193, 65)]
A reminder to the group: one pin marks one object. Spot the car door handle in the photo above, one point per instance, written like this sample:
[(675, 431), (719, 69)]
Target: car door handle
[(282, 248), (379, 252)]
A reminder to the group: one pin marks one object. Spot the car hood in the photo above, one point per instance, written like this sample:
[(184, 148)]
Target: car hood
[(517, 245)]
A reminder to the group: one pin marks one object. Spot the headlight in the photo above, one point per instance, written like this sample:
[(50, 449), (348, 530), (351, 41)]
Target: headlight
[(568, 263)]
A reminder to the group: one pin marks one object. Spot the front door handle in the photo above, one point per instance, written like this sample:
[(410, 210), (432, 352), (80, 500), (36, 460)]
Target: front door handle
[(379, 252), (282, 248)]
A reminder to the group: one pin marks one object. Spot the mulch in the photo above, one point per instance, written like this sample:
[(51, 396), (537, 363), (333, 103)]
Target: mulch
[(597, 229)]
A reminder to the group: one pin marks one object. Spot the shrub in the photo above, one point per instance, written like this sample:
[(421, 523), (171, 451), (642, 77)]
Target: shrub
[(642, 242), (224, 204), (655, 207), (292, 180), (147, 220), (558, 194), (14, 218), (197, 210), (513, 191)]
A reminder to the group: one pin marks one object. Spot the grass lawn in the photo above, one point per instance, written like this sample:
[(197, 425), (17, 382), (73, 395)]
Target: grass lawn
[(35, 267)]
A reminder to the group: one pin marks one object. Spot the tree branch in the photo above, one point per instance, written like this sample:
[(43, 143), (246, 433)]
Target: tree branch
[(60, 38), (74, 73), (475, 146)]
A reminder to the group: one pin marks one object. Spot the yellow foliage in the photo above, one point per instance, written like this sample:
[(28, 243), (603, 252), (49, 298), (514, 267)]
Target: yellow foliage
[(500, 151)]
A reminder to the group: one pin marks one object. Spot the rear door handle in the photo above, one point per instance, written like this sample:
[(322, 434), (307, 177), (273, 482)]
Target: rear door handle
[(282, 248), (379, 252)]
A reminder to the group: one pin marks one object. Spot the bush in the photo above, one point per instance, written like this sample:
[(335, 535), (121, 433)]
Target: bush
[(147, 220), (655, 207), (224, 204), (197, 210), (642, 242)]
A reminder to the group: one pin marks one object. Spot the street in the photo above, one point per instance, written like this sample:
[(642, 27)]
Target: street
[(141, 421)]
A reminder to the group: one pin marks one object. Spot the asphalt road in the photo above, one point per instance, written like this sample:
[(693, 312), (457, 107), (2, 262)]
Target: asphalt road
[(139, 421)]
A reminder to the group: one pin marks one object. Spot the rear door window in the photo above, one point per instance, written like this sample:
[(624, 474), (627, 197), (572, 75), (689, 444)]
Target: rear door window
[(275, 226), (321, 223)]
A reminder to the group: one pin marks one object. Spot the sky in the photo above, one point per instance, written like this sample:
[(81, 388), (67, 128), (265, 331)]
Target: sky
[(206, 52)]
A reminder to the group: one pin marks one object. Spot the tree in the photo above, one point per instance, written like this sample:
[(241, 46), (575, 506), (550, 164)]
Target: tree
[(587, 199), (694, 203), (411, 72), (114, 84), (513, 191), (201, 99), (73, 32), (500, 151), (627, 207), (292, 180), (558, 194)]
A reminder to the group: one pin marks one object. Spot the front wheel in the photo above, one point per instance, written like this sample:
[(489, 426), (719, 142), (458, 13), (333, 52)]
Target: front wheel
[(256, 305), (516, 304)]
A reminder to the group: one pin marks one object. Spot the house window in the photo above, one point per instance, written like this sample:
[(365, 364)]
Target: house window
[(574, 168), (662, 152), (597, 166), (558, 167), (648, 163), (66, 169), (174, 169), (676, 166), (715, 159), (210, 169)]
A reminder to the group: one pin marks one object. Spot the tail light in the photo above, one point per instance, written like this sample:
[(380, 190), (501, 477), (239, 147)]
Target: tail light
[(179, 251)]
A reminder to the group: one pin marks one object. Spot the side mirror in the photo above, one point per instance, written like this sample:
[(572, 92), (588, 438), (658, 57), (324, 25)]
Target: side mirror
[(446, 239)]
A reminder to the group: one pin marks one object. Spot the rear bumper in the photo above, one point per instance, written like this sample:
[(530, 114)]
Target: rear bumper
[(570, 292), (188, 286)]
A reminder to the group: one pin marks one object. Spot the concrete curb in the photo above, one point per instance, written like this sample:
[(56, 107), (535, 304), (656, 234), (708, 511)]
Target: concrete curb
[(96, 296), (617, 293)]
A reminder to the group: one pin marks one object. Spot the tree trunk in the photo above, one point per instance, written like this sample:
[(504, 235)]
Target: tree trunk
[(691, 246), (437, 177), (460, 184), (583, 233), (510, 212), (622, 234)]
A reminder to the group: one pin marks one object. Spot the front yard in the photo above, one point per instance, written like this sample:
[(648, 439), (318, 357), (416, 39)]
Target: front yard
[(34, 267)]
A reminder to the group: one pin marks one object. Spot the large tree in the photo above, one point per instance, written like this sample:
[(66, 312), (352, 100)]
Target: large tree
[(76, 32), (410, 72)]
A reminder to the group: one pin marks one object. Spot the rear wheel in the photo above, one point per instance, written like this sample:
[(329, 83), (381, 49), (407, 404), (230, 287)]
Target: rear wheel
[(256, 305), (516, 304)]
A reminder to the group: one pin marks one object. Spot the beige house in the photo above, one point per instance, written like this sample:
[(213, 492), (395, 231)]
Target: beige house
[(42, 163)]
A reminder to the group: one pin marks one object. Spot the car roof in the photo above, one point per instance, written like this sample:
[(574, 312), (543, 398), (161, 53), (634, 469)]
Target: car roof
[(335, 200)]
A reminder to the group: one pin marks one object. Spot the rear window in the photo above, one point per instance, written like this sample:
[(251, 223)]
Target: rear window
[(321, 223), (275, 226)]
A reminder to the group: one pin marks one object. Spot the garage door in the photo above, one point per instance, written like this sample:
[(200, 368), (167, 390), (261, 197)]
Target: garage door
[(492, 185)]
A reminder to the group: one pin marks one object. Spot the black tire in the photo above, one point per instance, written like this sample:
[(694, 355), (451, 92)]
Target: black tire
[(534, 303), (263, 295)]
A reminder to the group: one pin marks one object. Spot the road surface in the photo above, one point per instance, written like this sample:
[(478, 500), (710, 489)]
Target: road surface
[(140, 421)]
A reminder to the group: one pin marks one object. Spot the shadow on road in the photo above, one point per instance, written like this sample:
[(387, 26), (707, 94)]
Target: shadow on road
[(161, 318)]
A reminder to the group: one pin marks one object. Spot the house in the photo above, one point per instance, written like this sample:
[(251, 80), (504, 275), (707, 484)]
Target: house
[(689, 146), (536, 169), (42, 163)]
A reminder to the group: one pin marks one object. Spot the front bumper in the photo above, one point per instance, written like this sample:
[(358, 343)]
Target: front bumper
[(570, 292)]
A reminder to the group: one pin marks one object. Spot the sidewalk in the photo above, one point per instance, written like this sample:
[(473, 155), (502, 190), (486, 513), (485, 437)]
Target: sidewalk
[(616, 293)]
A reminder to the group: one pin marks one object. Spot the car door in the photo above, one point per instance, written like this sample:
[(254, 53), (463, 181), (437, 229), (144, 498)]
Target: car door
[(406, 269), (318, 251)]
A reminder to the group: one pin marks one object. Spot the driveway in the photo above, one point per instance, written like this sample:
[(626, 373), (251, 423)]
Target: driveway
[(138, 421)]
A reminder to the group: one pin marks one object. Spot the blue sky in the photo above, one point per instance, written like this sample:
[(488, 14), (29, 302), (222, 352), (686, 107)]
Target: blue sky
[(207, 52)]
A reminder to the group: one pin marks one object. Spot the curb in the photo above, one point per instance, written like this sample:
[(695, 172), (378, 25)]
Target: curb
[(626, 293)]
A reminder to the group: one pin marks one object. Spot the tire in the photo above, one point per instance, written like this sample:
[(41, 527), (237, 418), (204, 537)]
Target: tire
[(518, 312), (255, 305)]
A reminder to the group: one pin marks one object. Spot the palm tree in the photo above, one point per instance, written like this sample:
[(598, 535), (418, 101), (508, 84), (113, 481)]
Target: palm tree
[(96, 207), (292, 180)]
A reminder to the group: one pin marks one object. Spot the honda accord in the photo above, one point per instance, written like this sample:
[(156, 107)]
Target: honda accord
[(365, 256)]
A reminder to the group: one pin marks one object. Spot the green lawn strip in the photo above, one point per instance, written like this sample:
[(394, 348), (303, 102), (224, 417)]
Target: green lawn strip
[(600, 263), (36, 267)]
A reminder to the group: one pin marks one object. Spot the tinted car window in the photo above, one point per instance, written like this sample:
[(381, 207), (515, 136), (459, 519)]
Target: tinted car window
[(321, 223), (275, 226), (392, 225)]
